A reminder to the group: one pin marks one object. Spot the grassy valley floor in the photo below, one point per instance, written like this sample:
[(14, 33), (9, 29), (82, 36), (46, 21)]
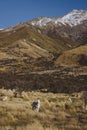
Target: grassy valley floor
[(57, 112)]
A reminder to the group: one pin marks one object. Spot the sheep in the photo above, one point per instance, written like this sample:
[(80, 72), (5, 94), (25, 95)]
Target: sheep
[(83, 96), (36, 105), (68, 103), (69, 100), (5, 98)]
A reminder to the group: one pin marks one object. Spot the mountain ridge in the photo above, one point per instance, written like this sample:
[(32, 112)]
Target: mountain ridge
[(81, 14), (72, 26), (73, 18)]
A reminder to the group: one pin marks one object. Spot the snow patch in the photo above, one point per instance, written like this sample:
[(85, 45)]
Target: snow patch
[(72, 19), (1, 29), (41, 22)]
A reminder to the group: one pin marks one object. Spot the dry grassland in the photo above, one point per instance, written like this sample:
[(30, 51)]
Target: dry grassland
[(56, 111)]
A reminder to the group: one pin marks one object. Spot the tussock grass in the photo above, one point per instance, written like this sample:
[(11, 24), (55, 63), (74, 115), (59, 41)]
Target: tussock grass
[(52, 115)]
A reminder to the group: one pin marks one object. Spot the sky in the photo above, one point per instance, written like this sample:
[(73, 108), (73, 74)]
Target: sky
[(13, 12)]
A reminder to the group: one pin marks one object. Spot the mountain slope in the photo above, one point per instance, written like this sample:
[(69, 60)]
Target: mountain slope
[(26, 32), (22, 48), (77, 56), (71, 26)]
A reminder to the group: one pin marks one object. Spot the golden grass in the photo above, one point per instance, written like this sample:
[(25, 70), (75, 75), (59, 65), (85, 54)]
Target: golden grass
[(72, 57), (53, 113)]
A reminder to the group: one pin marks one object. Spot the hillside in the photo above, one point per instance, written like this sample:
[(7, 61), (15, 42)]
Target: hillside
[(77, 56), (43, 54), (7, 38)]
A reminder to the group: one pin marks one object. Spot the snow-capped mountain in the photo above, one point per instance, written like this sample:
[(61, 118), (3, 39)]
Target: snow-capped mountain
[(73, 18), (41, 21), (72, 26)]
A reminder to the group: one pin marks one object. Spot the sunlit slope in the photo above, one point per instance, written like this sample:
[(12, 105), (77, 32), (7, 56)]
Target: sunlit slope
[(26, 36), (77, 56)]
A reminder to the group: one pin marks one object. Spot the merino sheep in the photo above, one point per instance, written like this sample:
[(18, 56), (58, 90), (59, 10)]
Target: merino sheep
[(69, 100), (36, 105), (84, 98), (68, 103), (5, 98)]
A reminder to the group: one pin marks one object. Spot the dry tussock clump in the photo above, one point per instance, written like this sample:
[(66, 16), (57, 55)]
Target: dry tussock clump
[(37, 126), (4, 92), (61, 116), (7, 118), (24, 95)]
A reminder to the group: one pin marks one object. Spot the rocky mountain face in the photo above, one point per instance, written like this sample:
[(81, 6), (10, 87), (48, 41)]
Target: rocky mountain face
[(72, 19), (72, 26), (44, 54)]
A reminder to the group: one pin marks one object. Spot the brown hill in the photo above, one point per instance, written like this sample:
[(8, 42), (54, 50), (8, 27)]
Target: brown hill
[(77, 56), (24, 31)]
